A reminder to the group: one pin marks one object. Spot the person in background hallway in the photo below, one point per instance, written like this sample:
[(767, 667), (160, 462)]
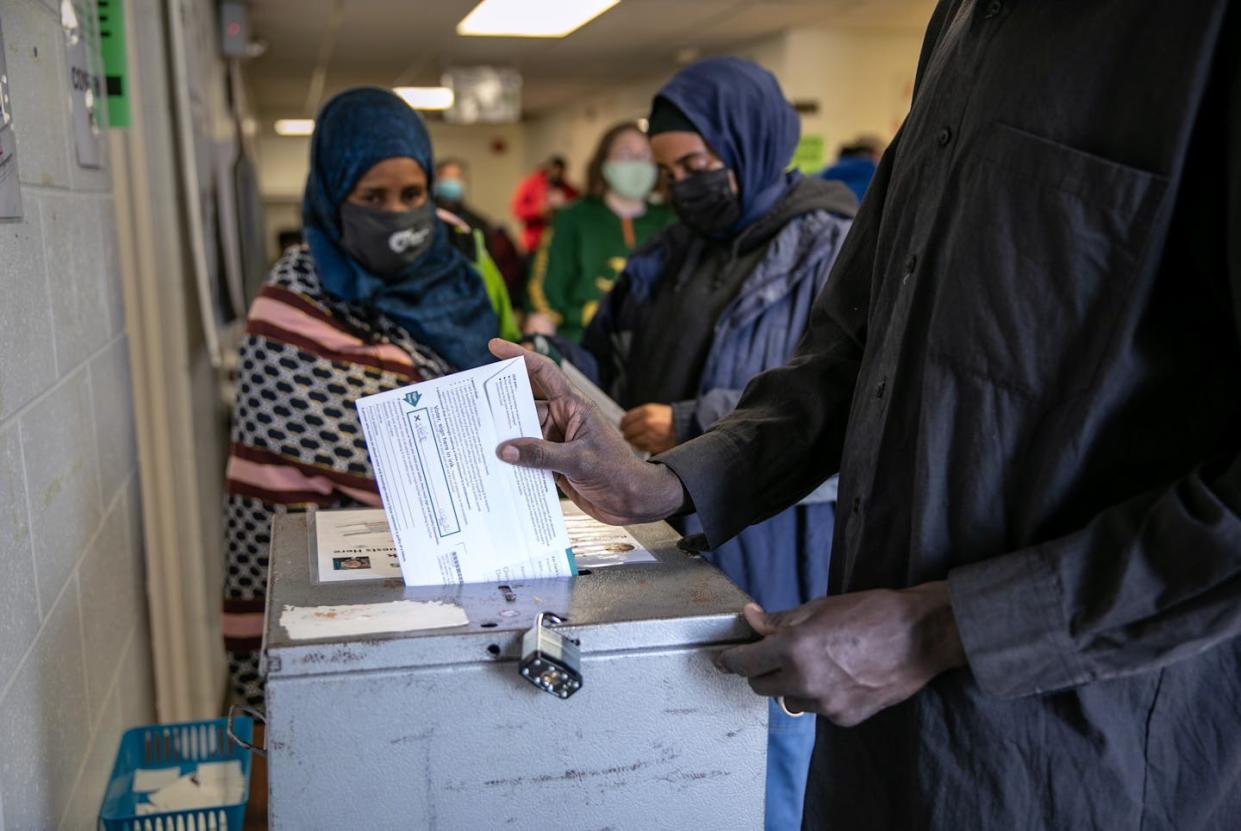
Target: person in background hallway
[(379, 298), (1026, 368), (538, 197), (713, 301), (584, 250), (856, 165), (449, 192)]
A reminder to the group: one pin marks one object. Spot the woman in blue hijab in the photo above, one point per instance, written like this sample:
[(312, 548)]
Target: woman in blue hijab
[(379, 298), (374, 234), (713, 301)]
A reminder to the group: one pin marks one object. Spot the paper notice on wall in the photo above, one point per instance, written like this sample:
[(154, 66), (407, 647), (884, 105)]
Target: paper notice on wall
[(457, 513), (86, 92), (354, 544), (10, 189)]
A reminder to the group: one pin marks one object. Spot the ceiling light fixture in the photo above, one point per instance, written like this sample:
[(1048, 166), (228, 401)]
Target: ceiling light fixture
[(531, 18), (426, 98), (295, 126)]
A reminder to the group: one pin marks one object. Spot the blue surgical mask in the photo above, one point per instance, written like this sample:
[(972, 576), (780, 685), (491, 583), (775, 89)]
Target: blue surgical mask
[(449, 190), (630, 178)]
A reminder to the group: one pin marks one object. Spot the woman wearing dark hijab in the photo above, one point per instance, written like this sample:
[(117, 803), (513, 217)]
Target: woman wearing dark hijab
[(379, 297), (713, 301)]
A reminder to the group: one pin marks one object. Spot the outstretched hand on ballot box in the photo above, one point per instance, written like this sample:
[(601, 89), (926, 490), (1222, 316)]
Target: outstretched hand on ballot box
[(848, 657), (845, 657), (589, 457)]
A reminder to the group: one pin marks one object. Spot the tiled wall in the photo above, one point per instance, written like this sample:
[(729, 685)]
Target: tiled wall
[(74, 644)]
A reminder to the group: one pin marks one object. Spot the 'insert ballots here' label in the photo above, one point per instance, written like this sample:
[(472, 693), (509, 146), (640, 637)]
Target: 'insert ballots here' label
[(459, 514)]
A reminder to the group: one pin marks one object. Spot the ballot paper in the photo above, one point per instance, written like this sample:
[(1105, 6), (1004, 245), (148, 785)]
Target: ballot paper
[(354, 544), (209, 785), (229, 772), (147, 780), (457, 513)]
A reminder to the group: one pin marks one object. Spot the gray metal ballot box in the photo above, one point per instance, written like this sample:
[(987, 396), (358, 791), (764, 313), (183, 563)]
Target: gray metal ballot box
[(436, 729)]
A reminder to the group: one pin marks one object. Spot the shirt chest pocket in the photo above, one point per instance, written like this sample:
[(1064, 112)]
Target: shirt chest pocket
[(1046, 244)]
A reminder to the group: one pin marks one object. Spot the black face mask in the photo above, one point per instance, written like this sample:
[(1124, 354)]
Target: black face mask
[(706, 202), (385, 242)]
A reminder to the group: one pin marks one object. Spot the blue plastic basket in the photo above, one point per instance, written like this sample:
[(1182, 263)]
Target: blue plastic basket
[(180, 746)]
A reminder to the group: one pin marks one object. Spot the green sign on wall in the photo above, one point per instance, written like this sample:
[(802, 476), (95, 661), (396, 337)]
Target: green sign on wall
[(808, 157), (115, 69)]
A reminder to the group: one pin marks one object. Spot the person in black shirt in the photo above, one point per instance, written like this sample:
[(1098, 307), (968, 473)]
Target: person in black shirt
[(1026, 366)]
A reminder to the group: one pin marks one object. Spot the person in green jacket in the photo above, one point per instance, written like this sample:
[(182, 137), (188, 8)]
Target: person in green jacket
[(588, 243)]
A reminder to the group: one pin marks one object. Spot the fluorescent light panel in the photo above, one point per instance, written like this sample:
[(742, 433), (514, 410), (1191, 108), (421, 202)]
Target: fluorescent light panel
[(531, 18), (420, 98), (295, 126), (426, 98)]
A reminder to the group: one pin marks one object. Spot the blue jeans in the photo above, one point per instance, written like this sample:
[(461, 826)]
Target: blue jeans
[(790, 743)]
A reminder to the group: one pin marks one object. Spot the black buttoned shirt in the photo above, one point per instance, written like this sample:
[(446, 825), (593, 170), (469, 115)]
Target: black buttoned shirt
[(1026, 367)]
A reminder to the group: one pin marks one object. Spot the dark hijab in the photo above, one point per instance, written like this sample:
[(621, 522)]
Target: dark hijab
[(740, 111), (440, 298)]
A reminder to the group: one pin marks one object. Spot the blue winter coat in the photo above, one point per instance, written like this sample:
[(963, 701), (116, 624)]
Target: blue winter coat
[(782, 561)]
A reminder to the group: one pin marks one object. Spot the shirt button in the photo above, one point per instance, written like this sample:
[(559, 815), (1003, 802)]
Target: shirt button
[(857, 504), (993, 9), (911, 262), (944, 136), (883, 385)]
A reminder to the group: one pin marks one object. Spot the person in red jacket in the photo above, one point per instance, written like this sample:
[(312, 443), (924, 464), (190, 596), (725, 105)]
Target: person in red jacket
[(538, 196)]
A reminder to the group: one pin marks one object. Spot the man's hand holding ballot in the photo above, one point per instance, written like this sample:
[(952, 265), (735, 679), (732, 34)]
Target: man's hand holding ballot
[(844, 657), (592, 463)]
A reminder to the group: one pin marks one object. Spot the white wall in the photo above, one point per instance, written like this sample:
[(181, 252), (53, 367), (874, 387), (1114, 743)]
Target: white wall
[(492, 174), (862, 80), (74, 650), (574, 130), (282, 164), (182, 432)]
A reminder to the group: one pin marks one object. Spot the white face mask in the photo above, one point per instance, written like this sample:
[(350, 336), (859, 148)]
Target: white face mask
[(630, 178)]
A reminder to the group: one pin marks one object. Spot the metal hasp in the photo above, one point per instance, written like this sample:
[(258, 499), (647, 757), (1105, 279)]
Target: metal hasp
[(549, 660), (436, 729)]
